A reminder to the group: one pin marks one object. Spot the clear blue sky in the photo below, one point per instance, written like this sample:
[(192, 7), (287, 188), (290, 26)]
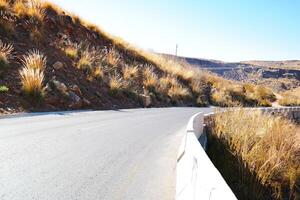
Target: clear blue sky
[(229, 30)]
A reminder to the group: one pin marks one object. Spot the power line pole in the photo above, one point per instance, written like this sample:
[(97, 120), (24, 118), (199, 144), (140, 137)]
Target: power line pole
[(176, 50)]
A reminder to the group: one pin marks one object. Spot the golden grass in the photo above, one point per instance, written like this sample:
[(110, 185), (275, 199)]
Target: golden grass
[(189, 77), (98, 72), (32, 82), (30, 8), (87, 59), (34, 60), (130, 72), (113, 57), (178, 92), (149, 78), (6, 53), (115, 84), (290, 98), (265, 145), (71, 51), (32, 74), (4, 4)]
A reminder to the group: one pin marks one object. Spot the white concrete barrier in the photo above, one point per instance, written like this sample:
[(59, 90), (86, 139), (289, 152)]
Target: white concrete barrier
[(197, 177)]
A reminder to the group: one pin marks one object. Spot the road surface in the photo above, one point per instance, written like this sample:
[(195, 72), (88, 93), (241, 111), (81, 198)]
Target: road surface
[(115, 155)]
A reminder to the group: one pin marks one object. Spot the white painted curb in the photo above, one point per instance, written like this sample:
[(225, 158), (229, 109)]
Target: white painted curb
[(197, 177)]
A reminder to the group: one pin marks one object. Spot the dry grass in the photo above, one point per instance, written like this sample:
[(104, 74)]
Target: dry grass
[(290, 98), (88, 59), (98, 72), (266, 147), (150, 78), (130, 72), (115, 84), (4, 4), (30, 8), (113, 57), (32, 82), (32, 74), (72, 51), (34, 60), (6, 53)]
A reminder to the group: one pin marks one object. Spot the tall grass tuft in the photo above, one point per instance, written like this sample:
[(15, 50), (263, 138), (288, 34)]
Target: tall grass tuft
[(32, 82), (261, 150), (6, 53), (32, 74), (130, 72), (34, 60)]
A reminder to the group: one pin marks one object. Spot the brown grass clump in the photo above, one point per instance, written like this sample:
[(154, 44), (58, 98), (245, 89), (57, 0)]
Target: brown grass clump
[(115, 84), (34, 60), (87, 59), (113, 57), (4, 4), (98, 72), (72, 51), (150, 78), (130, 72), (32, 82), (6, 53), (31, 8), (32, 74), (290, 98), (265, 149)]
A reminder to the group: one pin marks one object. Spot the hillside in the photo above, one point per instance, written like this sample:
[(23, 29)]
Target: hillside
[(52, 60), (278, 75)]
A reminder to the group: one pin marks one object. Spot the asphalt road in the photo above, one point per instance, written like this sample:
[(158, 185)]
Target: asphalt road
[(115, 155)]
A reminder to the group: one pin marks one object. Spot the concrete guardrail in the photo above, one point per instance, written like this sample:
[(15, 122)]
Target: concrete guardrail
[(197, 177)]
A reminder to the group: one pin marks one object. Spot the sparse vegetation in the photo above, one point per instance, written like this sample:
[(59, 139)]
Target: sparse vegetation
[(99, 56), (6, 51), (261, 151)]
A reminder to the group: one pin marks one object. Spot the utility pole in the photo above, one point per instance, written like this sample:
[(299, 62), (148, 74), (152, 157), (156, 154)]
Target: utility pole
[(176, 50)]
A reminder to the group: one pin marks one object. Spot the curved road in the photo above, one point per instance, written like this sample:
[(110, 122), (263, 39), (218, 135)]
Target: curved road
[(115, 155)]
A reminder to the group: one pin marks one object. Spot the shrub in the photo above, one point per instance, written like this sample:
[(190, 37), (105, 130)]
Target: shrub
[(6, 53), (260, 149), (32, 82), (34, 60), (3, 89)]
